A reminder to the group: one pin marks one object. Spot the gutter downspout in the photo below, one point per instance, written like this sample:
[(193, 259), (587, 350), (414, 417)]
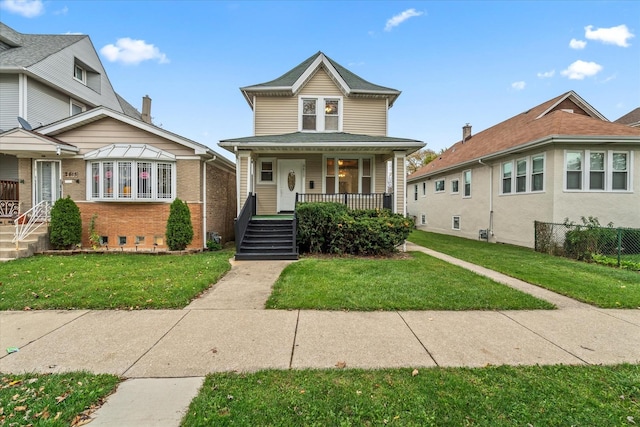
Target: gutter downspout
[(490, 195), (204, 200)]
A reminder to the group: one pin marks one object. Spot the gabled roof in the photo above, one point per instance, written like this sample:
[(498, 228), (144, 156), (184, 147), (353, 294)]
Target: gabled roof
[(566, 118), (316, 141), (43, 144), (128, 109), (632, 118), (24, 50), (293, 80)]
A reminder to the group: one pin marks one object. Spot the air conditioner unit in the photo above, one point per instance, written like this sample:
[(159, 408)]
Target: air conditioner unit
[(483, 235)]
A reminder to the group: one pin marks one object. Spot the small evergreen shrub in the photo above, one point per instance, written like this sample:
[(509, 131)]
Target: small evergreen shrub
[(65, 230), (334, 228), (179, 227)]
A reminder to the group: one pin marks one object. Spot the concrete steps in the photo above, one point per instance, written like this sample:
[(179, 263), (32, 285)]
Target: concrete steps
[(37, 241)]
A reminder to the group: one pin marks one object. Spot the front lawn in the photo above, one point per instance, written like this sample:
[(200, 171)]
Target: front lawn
[(600, 285), (493, 396), (52, 399), (414, 282), (105, 281)]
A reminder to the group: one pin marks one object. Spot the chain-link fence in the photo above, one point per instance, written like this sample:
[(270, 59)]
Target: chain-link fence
[(605, 245)]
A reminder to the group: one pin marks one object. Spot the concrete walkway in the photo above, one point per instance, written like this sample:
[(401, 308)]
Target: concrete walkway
[(166, 353)]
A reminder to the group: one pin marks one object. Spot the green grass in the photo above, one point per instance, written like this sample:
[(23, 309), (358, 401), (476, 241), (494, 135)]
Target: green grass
[(493, 396), (594, 284), (108, 281), (52, 399), (419, 282)]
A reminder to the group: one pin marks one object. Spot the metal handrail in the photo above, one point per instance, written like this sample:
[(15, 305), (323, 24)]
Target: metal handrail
[(243, 219), (31, 220)]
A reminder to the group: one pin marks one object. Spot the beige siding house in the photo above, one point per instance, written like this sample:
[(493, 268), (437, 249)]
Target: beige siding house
[(559, 160), (320, 134)]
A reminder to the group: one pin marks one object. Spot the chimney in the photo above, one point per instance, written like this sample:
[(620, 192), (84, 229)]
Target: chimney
[(466, 132), (146, 109)]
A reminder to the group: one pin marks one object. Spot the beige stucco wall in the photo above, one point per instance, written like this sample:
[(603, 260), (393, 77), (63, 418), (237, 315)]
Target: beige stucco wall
[(514, 214)]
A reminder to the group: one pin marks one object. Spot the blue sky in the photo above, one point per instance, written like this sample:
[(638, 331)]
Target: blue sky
[(456, 62)]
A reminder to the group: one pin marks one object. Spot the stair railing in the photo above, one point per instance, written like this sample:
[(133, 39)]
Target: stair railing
[(243, 219), (31, 220)]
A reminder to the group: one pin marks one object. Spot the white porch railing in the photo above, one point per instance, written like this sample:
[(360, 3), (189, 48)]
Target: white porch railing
[(31, 220)]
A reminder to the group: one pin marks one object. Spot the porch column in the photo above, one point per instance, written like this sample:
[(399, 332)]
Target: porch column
[(399, 182), (243, 181)]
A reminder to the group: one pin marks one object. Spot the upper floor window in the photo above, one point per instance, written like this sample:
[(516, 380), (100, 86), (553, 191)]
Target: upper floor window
[(466, 177), (415, 192), (597, 170), (77, 108), (424, 188), (439, 185), (454, 186), (320, 114), (80, 74)]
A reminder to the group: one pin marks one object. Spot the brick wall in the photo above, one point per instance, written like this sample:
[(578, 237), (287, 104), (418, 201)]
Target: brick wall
[(221, 202), (148, 220)]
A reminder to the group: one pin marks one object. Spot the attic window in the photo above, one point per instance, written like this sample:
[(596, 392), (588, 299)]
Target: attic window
[(80, 74), (567, 110)]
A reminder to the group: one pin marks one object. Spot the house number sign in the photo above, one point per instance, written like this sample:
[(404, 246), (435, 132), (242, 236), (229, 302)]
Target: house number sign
[(291, 180)]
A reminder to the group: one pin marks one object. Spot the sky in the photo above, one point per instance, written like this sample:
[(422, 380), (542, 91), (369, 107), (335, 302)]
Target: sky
[(456, 62)]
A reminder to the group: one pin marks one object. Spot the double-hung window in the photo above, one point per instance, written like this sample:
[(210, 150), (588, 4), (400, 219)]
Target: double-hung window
[(266, 171), (597, 170), (537, 173), (320, 114), (351, 175), (523, 175), (506, 177), (454, 186), (466, 177), (439, 185), (79, 74)]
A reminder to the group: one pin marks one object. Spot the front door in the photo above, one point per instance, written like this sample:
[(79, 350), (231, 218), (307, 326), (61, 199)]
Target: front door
[(47, 181), (290, 182)]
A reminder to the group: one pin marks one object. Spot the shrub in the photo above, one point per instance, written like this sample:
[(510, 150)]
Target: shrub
[(66, 224), (334, 228), (582, 242), (212, 245), (179, 227)]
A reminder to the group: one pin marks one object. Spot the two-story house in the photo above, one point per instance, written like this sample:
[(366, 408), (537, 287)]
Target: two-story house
[(559, 160), (320, 134), (65, 132)]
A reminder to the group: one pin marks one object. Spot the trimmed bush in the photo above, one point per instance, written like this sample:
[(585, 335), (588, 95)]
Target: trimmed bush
[(179, 226), (65, 230), (334, 228)]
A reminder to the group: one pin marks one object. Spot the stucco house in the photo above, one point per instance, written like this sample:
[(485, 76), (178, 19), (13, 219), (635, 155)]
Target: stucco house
[(320, 134), (65, 132), (560, 159)]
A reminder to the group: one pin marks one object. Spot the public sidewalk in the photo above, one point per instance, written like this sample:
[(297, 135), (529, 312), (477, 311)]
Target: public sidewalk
[(166, 353)]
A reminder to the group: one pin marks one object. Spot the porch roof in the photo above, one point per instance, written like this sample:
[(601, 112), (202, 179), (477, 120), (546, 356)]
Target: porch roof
[(30, 144), (321, 141)]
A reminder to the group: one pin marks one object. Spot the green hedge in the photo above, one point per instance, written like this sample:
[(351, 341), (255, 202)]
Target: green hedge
[(333, 228)]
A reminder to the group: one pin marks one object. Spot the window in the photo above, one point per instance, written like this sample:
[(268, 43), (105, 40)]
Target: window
[(521, 175), (266, 170), (466, 176), (574, 170), (132, 180), (596, 171), (423, 219), (537, 173), (439, 185), (320, 114), (454, 186), (604, 170), (353, 175), (415, 192), (506, 177), (76, 108), (455, 222), (79, 74), (424, 188)]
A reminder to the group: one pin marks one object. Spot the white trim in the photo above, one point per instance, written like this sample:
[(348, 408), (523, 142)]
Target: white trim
[(320, 116), (259, 163), (76, 66), (464, 184), (339, 156), (312, 69), (435, 185), (457, 181), (608, 171), (73, 102), (453, 222)]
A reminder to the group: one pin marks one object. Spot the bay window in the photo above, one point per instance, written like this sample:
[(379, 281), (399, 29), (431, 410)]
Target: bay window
[(132, 180), (597, 170)]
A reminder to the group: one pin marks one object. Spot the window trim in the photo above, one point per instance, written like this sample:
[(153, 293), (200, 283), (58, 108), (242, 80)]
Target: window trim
[(464, 183), (73, 102), (457, 182), (528, 176), (453, 222), (115, 165), (442, 187), (77, 67), (585, 177), (320, 112), (271, 160)]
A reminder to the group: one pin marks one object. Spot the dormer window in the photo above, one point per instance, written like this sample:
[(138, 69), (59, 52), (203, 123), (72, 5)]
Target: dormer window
[(80, 74), (320, 114)]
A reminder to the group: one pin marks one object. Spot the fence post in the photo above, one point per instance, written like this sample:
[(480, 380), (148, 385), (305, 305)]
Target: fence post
[(619, 244)]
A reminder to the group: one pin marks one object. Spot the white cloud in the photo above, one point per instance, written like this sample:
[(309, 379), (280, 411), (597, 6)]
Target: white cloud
[(129, 51), (518, 85), (62, 11), (614, 35), (26, 8), (581, 69), (577, 44), (546, 74), (400, 18)]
